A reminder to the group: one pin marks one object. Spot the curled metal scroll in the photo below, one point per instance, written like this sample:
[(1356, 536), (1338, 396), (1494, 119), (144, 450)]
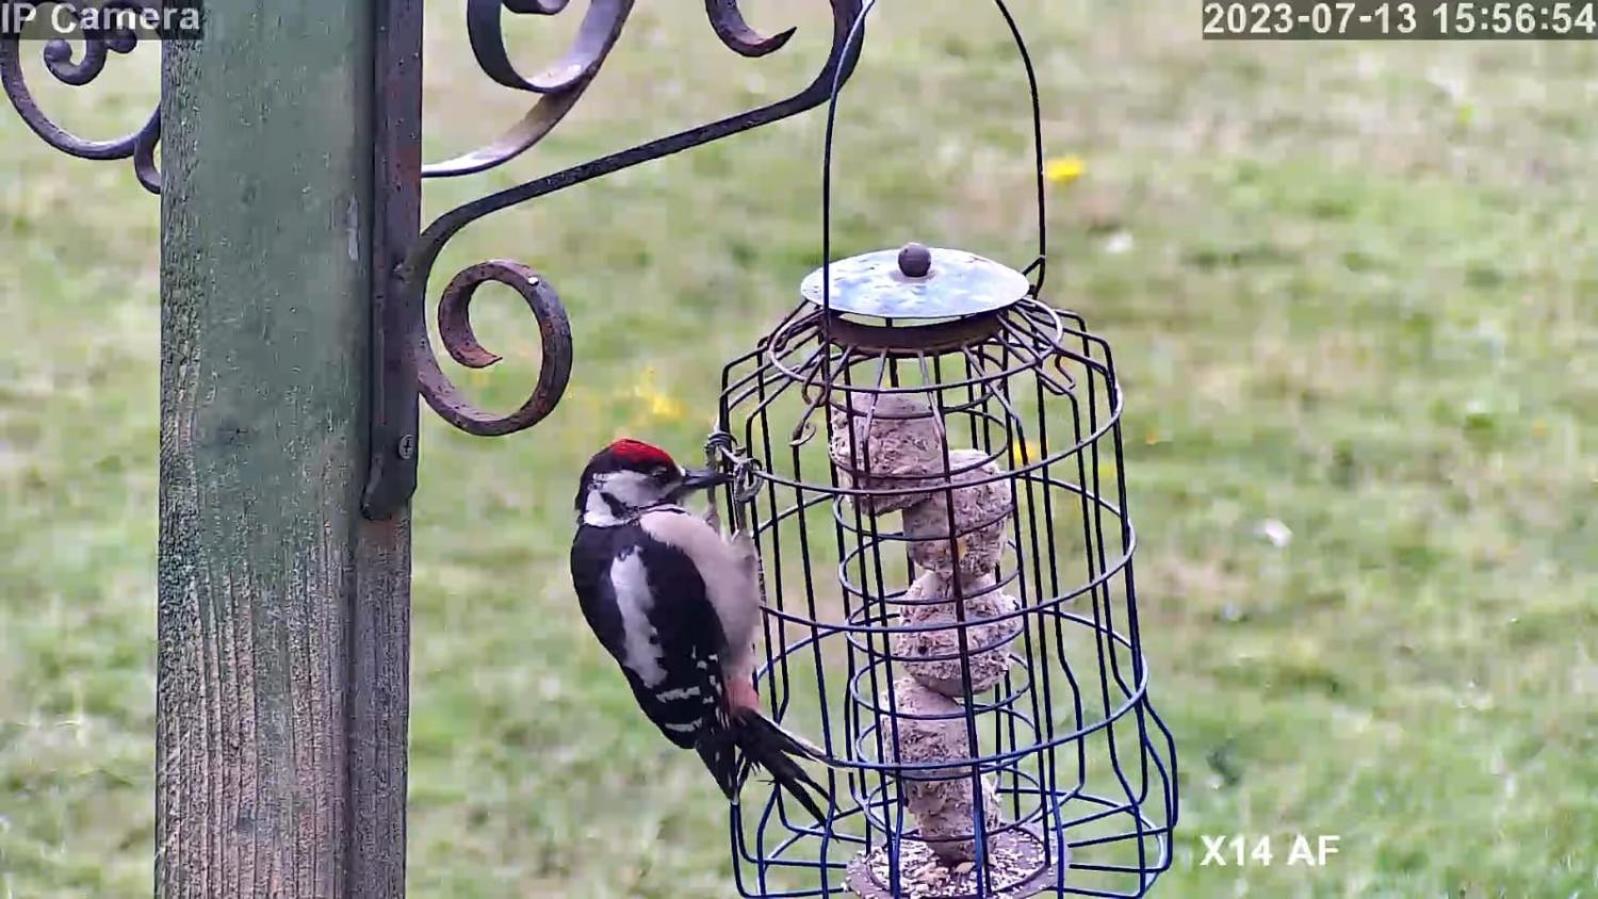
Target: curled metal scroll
[(57, 54), (558, 88), (455, 330)]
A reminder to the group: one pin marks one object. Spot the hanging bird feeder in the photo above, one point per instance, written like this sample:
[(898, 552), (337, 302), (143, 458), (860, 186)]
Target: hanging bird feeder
[(929, 458)]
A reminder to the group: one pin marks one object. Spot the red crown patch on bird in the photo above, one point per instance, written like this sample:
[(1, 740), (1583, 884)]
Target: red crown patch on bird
[(638, 452)]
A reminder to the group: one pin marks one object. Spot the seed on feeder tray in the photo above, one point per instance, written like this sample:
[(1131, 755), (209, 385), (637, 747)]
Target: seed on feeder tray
[(887, 441), (940, 798), (987, 642), (981, 512)]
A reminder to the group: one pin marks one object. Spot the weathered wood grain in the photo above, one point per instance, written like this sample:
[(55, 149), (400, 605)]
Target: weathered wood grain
[(283, 620)]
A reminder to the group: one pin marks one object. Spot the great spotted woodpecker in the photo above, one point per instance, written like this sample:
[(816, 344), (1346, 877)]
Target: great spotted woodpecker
[(677, 605)]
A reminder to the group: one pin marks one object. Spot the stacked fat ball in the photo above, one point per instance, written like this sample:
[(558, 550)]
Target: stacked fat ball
[(955, 625)]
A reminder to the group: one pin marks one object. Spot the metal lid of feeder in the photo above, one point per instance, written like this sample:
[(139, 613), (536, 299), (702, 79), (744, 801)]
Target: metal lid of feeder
[(918, 282)]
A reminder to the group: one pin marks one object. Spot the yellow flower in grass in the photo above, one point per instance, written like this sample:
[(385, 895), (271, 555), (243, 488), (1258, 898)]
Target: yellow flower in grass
[(661, 406), (1025, 452), (1064, 169)]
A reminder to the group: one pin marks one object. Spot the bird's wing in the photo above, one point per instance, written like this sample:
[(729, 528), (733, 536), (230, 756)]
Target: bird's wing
[(652, 614)]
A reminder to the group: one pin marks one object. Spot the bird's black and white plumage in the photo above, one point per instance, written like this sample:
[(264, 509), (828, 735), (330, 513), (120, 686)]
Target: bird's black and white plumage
[(677, 605)]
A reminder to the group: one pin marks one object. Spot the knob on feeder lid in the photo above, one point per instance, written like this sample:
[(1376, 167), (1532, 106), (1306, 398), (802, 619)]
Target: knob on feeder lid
[(917, 282)]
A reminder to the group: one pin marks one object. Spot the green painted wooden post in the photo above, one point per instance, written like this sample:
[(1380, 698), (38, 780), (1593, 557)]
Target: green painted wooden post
[(283, 613)]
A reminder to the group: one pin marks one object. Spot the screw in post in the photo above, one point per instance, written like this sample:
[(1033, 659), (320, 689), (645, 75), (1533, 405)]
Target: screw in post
[(406, 448)]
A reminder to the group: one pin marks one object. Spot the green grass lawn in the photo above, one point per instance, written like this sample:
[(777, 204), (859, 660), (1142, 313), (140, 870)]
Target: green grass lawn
[(1351, 291)]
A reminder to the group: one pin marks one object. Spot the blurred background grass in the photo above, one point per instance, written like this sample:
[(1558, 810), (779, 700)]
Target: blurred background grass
[(1352, 293)]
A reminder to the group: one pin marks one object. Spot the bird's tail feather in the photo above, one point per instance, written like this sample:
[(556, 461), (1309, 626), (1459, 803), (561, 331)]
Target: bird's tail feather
[(752, 740)]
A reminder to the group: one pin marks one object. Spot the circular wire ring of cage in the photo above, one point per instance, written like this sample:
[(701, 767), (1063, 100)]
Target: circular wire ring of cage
[(1110, 422), (798, 833), (1056, 361), (896, 597), (879, 538), (1000, 762), (1109, 808), (899, 536), (1016, 693), (1135, 696), (1144, 827), (822, 363), (1017, 329), (973, 408), (972, 649), (1025, 880), (1112, 568), (877, 806), (856, 557), (796, 332), (1055, 458)]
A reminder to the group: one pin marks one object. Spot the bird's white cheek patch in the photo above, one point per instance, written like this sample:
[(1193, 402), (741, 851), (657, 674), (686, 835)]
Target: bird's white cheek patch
[(631, 489), (596, 513), (630, 579)]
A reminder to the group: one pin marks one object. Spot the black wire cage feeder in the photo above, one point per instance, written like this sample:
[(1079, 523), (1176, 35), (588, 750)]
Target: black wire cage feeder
[(929, 458)]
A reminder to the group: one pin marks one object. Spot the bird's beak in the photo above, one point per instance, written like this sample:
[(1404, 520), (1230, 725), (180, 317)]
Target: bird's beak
[(698, 479)]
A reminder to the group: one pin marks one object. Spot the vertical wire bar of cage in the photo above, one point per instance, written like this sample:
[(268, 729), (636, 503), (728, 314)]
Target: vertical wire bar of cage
[(782, 642), (777, 514), (1055, 592), (1107, 630), (972, 413), (1034, 753), (979, 816), (1134, 637), (1092, 525), (893, 735), (855, 729), (1004, 725), (997, 393), (729, 403), (1049, 483), (817, 658), (761, 867), (862, 463), (1036, 655), (896, 853), (895, 383), (736, 820), (779, 662), (859, 459)]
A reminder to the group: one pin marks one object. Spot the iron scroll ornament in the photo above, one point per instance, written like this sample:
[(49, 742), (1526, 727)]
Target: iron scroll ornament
[(557, 89), (405, 363), (98, 45)]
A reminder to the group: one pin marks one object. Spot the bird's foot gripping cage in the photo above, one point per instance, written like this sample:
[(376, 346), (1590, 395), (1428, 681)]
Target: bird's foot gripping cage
[(939, 507)]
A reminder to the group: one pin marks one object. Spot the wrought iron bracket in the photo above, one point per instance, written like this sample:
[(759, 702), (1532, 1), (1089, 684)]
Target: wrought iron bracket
[(408, 364), (404, 364)]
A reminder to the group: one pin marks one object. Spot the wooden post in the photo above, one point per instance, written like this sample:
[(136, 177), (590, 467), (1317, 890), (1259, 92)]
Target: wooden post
[(282, 683)]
